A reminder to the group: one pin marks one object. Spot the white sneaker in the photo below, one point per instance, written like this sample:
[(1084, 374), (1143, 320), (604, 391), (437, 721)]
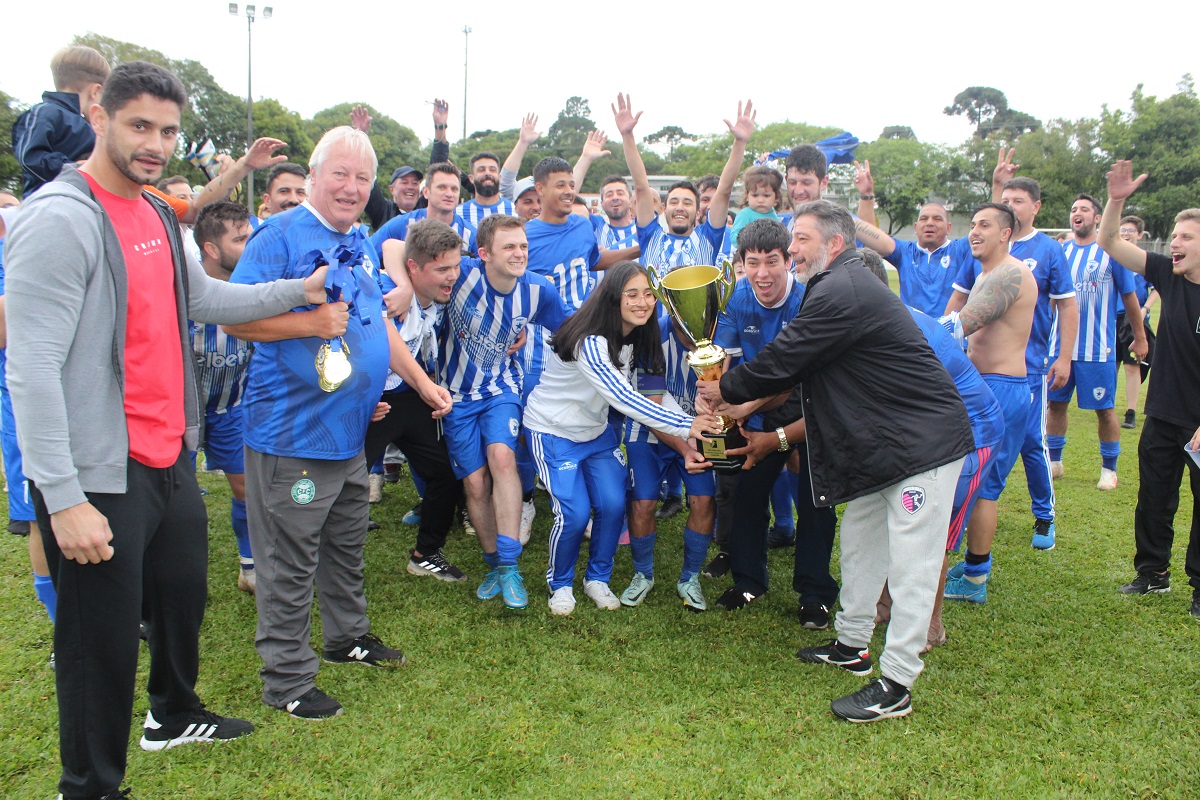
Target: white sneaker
[(1056, 470), (528, 511), (601, 595), (562, 601), (1108, 480), (247, 580), (375, 493)]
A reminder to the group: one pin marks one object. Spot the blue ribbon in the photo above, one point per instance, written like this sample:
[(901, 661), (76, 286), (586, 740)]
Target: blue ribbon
[(340, 282)]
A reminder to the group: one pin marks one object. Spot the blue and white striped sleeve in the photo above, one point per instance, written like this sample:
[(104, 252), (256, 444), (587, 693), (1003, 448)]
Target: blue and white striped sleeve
[(607, 380)]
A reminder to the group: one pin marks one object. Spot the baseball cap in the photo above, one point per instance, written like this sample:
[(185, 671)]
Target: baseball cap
[(522, 186), (402, 171)]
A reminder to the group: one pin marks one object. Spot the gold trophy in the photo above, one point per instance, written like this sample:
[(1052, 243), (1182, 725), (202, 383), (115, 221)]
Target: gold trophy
[(694, 297)]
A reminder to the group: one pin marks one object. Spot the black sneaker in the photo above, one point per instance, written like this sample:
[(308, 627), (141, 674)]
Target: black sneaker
[(197, 726), (1195, 609), (117, 794), (854, 661), (372, 525), (1149, 583), (670, 507), (814, 617), (435, 564), (717, 567), (779, 537), (366, 649), (313, 704), (876, 700), (1130, 419), (735, 599)]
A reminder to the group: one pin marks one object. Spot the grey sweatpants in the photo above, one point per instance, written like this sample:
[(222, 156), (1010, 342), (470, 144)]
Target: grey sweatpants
[(897, 535), (308, 525)]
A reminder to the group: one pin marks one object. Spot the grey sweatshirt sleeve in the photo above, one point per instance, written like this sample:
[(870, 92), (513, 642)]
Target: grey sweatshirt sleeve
[(223, 303)]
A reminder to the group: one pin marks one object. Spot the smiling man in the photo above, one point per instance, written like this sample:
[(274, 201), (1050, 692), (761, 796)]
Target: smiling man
[(286, 188), (99, 291), (485, 177)]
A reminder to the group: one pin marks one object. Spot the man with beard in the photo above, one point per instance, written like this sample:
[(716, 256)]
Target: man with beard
[(618, 230), (286, 188), (1098, 279), (485, 176)]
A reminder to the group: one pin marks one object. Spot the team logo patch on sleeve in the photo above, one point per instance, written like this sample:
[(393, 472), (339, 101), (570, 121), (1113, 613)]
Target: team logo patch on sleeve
[(912, 498), (514, 427), (304, 491)]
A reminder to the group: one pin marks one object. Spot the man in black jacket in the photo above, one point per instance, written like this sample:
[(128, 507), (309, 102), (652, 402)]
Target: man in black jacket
[(887, 433)]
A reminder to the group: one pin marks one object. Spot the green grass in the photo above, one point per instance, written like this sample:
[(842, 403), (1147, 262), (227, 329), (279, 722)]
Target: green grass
[(1058, 687)]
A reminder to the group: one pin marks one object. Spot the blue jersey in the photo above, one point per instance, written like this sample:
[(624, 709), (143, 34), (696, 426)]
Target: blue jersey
[(984, 410), (615, 237), (483, 323), (927, 278), (286, 412), (1099, 284), (678, 381), (746, 326), (419, 332), (397, 228), (221, 362), (563, 253), (660, 248), (474, 212), (1044, 257)]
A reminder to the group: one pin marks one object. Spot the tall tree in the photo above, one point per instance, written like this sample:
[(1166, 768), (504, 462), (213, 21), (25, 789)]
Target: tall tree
[(988, 110), (10, 168), (898, 132), (673, 135)]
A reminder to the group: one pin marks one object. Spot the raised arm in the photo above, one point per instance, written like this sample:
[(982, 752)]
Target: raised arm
[(511, 169), (441, 148), (1005, 170), (864, 182), (873, 237), (741, 128), (260, 156), (593, 148), (626, 122), (1121, 184)]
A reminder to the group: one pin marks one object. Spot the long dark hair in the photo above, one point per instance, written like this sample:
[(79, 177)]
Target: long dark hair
[(600, 315)]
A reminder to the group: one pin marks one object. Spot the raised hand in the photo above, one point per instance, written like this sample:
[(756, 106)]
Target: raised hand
[(623, 113), (744, 125), (1121, 182), (441, 112), (593, 146), (863, 180), (1005, 168), (261, 153), (360, 119), (529, 132)]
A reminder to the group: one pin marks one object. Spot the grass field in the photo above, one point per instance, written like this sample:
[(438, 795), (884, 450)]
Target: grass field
[(1057, 687)]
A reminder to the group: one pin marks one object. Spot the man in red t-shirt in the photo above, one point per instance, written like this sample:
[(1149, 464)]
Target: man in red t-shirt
[(99, 292)]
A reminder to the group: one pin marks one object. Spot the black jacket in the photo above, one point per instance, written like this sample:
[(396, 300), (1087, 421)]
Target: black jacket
[(879, 404)]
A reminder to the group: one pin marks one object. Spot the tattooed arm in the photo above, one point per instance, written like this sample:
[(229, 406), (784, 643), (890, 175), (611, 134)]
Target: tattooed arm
[(874, 238), (993, 298)]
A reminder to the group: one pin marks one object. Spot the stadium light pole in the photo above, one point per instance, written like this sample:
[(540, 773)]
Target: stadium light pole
[(466, 52), (250, 14)]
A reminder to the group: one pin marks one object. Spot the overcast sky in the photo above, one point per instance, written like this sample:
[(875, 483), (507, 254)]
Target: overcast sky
[(888, 64)]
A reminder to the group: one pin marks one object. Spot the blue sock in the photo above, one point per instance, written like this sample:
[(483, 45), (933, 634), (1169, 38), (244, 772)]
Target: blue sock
[(977, 566), (377, 467), (241, 529), (1109, 451), (508, 550), (44, 588), (782, 494), (695, 550), (642, 550), (491, 559), (1056, 445)]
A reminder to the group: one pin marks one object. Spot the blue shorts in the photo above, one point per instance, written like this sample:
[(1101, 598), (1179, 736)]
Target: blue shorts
[(223, 441), (20, 507), (1013, 395), (1097, 383), (472, 425), (648, 465), (975, 470)]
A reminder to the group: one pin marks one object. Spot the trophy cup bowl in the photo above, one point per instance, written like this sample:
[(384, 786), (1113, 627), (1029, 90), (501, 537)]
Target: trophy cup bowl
[(694, 297)]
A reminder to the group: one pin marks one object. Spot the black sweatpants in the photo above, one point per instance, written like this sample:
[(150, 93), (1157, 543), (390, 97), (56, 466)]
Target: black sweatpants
[(158, 573), (1161, 462), (815, 527)]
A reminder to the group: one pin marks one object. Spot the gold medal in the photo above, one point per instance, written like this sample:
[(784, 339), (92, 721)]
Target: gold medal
[(333, 366)]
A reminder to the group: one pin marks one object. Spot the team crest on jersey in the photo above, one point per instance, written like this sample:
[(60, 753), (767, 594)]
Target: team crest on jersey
[(514, 427), (519, 323), (1099, 392), (304, 491), (1031, 263), (617, 454), (946, 262), (912, 498)]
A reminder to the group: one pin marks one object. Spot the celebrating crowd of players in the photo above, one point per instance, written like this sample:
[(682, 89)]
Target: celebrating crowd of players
[(510, 337)]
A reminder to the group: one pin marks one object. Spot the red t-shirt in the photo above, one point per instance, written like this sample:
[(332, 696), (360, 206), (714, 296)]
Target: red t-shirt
[(153, 356)]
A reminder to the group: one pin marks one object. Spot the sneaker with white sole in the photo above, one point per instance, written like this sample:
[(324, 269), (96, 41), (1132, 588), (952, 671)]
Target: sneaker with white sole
[(879, 699), (528, 512), (195, 726), (435, 564), (601, 595), (490, 587), (374, 488), (852, 659), (1108, 480), (1056, 470), (692, 595), (366, 649), (512, 586), (468, 528), (313, 704), (639, 587), (562, 601), (247, 580)]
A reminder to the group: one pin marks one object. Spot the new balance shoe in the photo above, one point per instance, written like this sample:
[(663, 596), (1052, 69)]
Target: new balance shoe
[(512, 586), (313, 704), (528, 512), (780, 536), (639, 587), (374, 488), (562, 601), (963, 588), (735, 599), (691, 594), (814, 617), (601, 595), (1149, 583), (876, 700), (490, 587), (1130, 419), (670, 507), (366, 649), (435, 564), (851, 659), (1108, 479), (1043, 534), (719, 565), (1056, 470), (195, 726), (413, 517)]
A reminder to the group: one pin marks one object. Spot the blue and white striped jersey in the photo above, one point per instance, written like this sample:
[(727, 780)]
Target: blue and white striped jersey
[(661, 248), (679, 381), (483, 324), (474, 212), (221, 362), (616, 237), (1099, 283), (419, 330), (397, 228)]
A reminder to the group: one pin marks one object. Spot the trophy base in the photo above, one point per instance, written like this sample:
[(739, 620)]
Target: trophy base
[(714, 446)]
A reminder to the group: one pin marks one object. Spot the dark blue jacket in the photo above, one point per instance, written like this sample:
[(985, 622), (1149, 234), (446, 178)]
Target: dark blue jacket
[(51, 134)]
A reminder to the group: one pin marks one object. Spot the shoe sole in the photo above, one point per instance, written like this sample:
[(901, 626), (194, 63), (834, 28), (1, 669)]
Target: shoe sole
[(562, 612), (413, 569), (1164, 590), (859, 671), (1037, 546), (812, 626), (903, 712), (394, 662), (166, 744), (321, 718)]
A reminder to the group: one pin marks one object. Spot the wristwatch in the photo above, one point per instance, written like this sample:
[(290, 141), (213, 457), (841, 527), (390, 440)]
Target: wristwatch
[(783, 442)]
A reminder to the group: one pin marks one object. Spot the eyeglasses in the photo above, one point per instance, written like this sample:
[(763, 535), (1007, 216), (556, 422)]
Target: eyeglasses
[(1128, 231), (633, 295)]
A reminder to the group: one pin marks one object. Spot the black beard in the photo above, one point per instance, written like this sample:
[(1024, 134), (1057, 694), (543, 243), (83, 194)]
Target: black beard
[(487, 188)]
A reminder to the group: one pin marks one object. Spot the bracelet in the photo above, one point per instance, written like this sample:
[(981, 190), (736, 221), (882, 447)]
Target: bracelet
[(866, 197), (783, 442), (437, 127)]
